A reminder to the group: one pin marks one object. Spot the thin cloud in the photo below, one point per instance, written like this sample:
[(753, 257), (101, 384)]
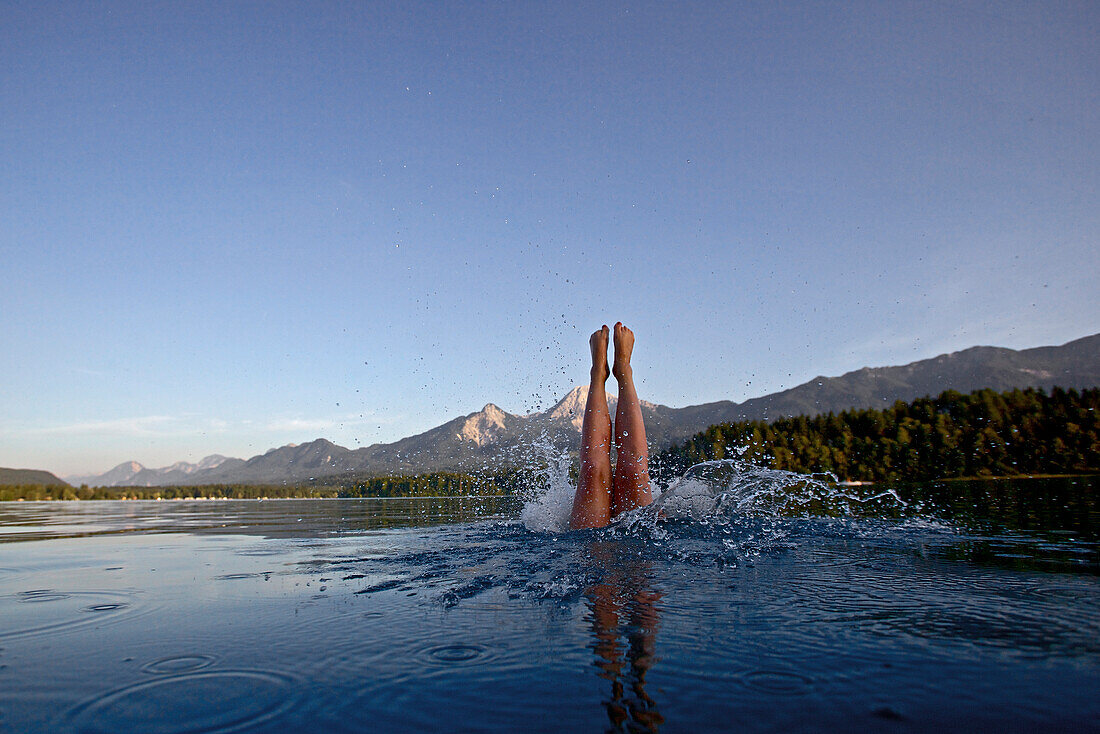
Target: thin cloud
[(139, 426), (175, 426), (325, 424), (300, 424), (146, 425)]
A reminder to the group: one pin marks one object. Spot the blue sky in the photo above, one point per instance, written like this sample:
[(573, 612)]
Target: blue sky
[(230, 226)]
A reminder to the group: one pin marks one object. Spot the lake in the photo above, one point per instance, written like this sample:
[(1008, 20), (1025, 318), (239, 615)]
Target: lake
[(740, 601)]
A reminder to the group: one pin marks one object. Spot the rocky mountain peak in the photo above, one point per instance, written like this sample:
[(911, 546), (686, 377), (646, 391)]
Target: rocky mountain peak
[(493, 412), (121, 474), (209, 462), (571, 408), (484, 427)]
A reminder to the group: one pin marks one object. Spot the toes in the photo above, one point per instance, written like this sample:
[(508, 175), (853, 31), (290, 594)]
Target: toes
[(598, 339)]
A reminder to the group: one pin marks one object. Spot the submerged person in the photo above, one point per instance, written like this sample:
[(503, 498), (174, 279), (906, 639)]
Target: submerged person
[(602, 495)]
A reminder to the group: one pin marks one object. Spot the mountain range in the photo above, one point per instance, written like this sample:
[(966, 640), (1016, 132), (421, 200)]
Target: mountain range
[(492, 437)]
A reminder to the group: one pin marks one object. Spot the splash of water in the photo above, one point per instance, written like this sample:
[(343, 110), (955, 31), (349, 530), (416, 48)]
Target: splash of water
[(718, 489), (551, 500), (714, 493)]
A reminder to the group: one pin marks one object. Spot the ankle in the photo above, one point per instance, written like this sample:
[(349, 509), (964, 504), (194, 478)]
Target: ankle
[(600, 374)]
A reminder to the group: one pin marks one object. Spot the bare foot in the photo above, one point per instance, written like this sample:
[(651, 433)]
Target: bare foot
[(624, 347), (598, 342)]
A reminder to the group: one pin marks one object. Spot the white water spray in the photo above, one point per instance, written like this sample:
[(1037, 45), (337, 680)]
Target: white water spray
[(709, 493), (547, 510)]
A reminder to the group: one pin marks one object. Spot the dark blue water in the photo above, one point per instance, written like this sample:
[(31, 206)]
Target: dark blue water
[(406, 615)]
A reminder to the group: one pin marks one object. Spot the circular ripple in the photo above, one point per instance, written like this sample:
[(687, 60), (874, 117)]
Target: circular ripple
[(105, 607), (1068, 593), (1016, 629), (260, 552), (42, 611), (456, 654), (40, 595), (778, 682), (178, 664), (222, 701)]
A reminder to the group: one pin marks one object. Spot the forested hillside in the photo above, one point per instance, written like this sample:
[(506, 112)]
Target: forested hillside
[(984, 433), (17, 477)]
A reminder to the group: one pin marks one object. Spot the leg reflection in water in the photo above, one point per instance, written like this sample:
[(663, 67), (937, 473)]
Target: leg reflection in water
[(602, 495), (624, 624)]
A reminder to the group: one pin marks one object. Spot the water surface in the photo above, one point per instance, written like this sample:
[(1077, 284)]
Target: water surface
[(354, 615)]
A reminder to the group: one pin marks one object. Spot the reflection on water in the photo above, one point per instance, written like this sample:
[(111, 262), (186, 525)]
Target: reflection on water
[(624, 611), (412, 615), (1057, 505), (20, 521)]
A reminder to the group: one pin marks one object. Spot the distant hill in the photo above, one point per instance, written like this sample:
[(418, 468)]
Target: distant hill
[(133, 474), (493, 437), (20, 477)]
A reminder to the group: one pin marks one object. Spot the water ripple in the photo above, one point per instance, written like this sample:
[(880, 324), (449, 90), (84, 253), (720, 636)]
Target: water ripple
[(178, 664), (41, 611), (215, 701), (455, 654), (784, 682)]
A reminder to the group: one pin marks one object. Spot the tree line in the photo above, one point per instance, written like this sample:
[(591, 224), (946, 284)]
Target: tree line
[(982, 434), (437, 484)]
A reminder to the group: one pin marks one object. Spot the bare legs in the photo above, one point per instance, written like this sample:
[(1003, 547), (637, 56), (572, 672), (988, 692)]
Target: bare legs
[(630, 487), (601, 495), (592, 503)]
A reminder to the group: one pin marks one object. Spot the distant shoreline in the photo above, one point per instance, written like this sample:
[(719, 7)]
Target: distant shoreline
[(268, 499), (214, 493), (1018, 476)]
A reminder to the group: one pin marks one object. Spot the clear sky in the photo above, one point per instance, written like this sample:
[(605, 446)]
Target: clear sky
[(229, 226)]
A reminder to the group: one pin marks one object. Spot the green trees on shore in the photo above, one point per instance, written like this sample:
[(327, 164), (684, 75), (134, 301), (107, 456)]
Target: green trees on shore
[(981, 434), (438, 484)]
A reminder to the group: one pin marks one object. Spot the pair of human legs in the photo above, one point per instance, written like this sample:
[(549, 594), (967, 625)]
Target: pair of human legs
[(601, 494)]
